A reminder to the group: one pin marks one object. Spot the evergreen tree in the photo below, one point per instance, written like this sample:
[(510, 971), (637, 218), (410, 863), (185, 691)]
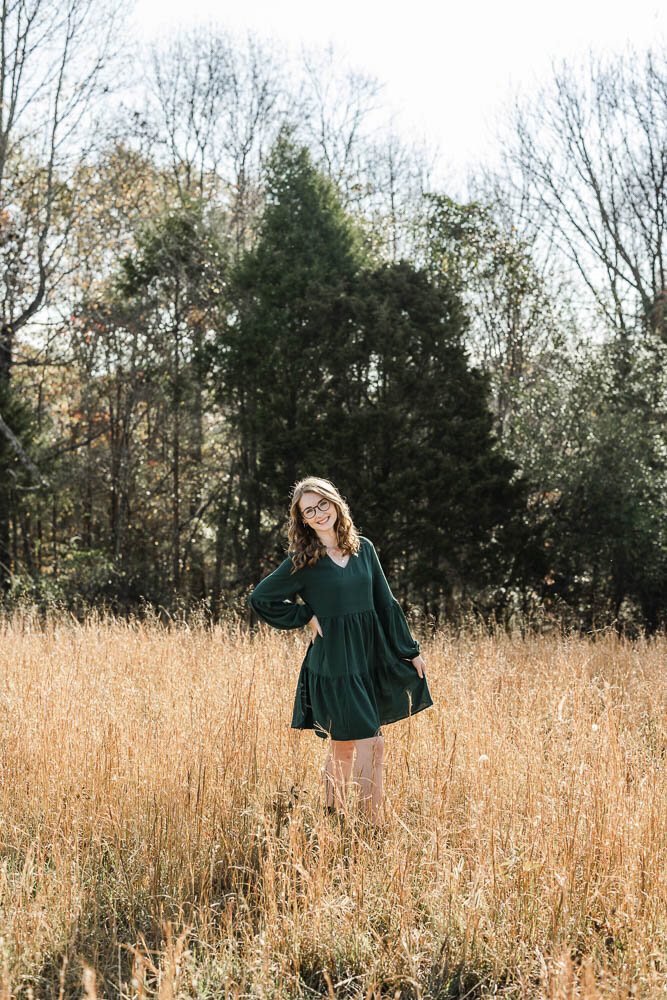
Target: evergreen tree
[(332, 366), (411, 438), (292, 297)]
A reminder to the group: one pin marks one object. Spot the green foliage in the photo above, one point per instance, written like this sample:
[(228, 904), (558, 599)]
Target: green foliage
[(179, 248), (173, 285), (323, 361), (333, 367), (599, 476), (582, 424), (516, 324), (251, 336), (611, 519), (410, 435), (141, 345), (85, 579), (19, 417), (15, 479), (293, 303)]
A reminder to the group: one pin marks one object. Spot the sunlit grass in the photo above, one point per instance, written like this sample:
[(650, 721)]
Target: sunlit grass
[(161, 824)]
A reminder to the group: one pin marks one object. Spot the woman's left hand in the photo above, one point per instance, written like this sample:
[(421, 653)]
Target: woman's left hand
[(419, 665)]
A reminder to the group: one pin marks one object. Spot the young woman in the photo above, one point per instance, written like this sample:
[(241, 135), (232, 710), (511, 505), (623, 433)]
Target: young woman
[(362, 668)]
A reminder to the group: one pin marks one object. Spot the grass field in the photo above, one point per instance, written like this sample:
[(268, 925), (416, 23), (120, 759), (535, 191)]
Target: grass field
[(151, 843)]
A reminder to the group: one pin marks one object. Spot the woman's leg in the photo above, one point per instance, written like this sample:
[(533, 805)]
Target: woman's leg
[(368, 772), (337, 772)]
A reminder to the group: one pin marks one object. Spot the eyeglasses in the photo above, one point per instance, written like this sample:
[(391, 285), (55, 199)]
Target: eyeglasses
[(322, 506)]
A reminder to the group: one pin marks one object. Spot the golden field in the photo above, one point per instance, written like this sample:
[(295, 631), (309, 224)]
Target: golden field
[(162, 833)]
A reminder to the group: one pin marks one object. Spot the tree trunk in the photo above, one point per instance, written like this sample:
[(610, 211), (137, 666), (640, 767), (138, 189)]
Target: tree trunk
[(5, 385), (176, 470)]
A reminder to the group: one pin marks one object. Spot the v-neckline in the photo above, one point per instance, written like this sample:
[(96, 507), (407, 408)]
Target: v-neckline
[(338, 564)]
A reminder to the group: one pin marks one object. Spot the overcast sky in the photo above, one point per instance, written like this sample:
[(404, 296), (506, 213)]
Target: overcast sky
[(448, 69)]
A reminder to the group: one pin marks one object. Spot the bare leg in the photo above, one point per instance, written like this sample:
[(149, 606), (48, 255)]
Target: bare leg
[(329, 781), (368, 773), (338, 771)]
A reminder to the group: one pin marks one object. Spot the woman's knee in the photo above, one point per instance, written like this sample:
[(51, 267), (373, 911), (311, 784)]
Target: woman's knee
[(342, 750), (371, 749), (376, 749)]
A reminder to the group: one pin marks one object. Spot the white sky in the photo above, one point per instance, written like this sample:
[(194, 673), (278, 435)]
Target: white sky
[(449, 69)]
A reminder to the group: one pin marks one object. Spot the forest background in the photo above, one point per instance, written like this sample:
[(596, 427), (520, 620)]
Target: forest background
[(227, 276)]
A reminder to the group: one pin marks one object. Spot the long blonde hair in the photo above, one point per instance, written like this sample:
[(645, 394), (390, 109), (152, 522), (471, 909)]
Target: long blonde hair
[(305, 547)]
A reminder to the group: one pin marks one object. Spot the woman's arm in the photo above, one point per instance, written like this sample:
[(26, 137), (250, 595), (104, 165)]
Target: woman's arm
[(391, 615), (273, 599)]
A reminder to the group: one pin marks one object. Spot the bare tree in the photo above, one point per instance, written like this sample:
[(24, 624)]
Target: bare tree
[(381, 176), (589, 162), (394, 180), (517, 305), (337, 117), (214, 108), (54, 58), (53, 61)]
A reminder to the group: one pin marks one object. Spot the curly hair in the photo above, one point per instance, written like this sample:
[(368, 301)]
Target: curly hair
[(305, 547)]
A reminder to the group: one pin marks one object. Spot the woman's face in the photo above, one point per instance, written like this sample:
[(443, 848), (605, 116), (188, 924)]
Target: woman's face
[(320, 520)]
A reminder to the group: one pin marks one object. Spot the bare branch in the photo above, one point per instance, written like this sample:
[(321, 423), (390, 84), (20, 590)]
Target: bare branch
[(592, 154)]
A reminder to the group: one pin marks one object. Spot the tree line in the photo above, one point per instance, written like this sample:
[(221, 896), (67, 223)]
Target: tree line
[(227, 282)]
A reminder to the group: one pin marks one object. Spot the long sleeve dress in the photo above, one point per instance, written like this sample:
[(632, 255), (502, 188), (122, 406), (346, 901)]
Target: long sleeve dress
[(356, 676)]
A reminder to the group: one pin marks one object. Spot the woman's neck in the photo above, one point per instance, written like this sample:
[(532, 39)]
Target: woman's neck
[(328, 538)]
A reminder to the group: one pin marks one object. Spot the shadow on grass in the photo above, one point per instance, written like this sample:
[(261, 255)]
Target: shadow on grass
[(442, 983)]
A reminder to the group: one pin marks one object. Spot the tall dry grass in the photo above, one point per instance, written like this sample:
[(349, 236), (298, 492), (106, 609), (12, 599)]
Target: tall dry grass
[(161, 828)]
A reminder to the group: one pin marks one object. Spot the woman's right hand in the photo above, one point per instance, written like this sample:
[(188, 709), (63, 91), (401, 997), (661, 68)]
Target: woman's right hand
[(315, 625)]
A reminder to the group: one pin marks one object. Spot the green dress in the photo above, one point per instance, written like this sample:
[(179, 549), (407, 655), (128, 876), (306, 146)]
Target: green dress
[(357, 675)]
